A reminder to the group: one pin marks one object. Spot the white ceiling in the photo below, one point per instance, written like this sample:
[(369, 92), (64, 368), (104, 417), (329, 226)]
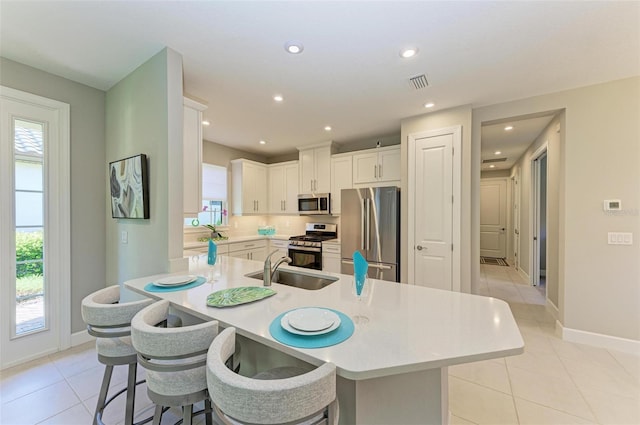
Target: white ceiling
[(350, 75), (510, 143)]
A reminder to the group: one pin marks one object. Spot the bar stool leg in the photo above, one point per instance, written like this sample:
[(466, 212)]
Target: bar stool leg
[(208, 412), (131, 393), (104, 389), (187, 413), (157, 414)]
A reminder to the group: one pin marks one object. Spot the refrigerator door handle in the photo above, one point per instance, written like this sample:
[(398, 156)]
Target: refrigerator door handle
[(368, 221), (380, 266), (372, 265), (362, 224)]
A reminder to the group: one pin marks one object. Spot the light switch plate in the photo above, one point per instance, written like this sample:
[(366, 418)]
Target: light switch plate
[(620, 238), (124, 237)]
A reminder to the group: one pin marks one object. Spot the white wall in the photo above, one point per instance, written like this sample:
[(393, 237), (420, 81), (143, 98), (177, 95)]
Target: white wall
[(88, 173), (599, 284), (144, 115)]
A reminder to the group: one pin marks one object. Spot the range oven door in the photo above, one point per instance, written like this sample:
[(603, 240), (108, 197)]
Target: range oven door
[(310, 258)]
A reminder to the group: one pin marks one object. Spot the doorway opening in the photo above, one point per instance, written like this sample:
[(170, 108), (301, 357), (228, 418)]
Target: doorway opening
[(539, 214)]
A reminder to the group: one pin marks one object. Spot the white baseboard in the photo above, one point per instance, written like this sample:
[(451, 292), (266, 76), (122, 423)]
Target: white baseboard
[(80, 338), (553, 310), (599, 340), (523, 275)]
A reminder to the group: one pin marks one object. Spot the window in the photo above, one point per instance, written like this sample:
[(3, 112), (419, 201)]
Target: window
[(214, 197), (29, 226)]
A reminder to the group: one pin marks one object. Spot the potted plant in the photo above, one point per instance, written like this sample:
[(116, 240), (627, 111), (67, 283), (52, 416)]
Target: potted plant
[(214, 233)]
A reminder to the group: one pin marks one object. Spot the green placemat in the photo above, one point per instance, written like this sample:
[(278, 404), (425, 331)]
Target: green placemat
[(236, 296)]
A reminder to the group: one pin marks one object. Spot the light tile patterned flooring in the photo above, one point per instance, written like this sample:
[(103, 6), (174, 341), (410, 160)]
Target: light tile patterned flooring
[(553, 382)]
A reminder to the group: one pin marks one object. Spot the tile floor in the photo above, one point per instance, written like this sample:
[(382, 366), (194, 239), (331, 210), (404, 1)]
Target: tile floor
[(553, 382)]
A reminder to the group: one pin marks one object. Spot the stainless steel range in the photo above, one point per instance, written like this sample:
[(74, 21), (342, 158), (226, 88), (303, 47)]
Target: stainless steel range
[(306, 250)]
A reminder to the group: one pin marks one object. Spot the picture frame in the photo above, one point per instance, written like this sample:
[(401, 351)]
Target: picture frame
[(129, 187)]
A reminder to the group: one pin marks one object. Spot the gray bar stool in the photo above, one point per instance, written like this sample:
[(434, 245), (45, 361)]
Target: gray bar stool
[(175, 360), (277, 396), (109, 321)]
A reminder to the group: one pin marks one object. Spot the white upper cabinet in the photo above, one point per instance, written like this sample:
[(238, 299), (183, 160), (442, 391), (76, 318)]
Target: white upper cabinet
[(249, 187), (283, 188), (341, 178), (377, 166), (192, 156), (315, 169)]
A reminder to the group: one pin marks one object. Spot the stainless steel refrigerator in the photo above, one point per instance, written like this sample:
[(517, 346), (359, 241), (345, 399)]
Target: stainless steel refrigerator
[(370, 223)]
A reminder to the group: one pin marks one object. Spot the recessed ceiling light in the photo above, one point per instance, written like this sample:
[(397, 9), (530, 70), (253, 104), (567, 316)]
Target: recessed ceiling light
[(409, 52), (429, 105), (294, 47), (508, 128), (497, 152), (205, 122), (278, 98), (327, 128), (262, 142), (492, 166)]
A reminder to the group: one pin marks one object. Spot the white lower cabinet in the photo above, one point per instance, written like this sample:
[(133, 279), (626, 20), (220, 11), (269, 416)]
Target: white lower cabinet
[(281, 245), (250, 250), (331, 257)]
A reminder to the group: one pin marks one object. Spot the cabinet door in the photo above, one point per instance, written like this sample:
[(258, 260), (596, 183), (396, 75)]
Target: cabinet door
[(307, 171), (192, 157), (290, 189), (331, 263), (389, 165), (341, 178), (248, 199), (276, 184), (240, 254), (258, 254), (322, 160), (365, 168), (260, 189)]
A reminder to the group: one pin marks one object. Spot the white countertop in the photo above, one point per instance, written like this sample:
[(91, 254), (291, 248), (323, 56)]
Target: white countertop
[(232, 239), (411, 328)]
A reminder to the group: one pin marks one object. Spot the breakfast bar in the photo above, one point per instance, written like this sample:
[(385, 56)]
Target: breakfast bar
[(393, 368)]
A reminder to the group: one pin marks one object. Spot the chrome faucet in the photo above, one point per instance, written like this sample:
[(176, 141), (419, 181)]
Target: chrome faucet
[(268, 271)]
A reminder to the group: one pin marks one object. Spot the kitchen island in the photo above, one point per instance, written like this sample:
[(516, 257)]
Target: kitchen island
[(393, 369)]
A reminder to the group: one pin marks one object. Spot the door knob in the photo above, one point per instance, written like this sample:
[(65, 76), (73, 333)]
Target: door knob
[(419, 248)]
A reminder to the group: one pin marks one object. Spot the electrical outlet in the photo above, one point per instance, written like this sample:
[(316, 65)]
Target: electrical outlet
[(124, 237)]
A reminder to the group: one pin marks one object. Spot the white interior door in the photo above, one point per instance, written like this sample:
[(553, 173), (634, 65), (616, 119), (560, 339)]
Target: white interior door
[(493, 218), (515, 188), (432, 225), (34, 227)]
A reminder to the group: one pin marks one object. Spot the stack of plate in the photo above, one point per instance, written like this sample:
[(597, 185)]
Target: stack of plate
[(176, 280), (310, 321)]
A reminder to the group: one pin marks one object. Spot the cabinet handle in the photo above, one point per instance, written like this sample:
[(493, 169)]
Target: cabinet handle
[(380, 170), (375, 171), (311, 184)]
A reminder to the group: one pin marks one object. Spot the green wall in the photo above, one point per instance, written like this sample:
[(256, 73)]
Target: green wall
[(88, 173)]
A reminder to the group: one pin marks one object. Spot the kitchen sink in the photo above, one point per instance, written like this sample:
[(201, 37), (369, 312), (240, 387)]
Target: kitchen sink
[(297, 279)]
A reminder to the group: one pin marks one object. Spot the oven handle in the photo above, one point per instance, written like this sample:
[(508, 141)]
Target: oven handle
[(304, 248)]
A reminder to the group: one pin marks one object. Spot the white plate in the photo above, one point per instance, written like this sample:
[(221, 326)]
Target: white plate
[(312, 319), (175, 280), (284, 322)]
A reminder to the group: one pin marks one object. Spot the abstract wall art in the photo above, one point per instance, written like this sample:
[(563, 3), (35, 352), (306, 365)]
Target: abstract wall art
[(129, 186)]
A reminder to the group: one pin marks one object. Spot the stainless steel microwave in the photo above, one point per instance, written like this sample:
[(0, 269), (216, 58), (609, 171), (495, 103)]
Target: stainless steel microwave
[(316, 204)]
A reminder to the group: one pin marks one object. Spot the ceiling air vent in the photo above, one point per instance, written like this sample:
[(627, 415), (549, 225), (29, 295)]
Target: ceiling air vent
[(489, 161), (419, 81)]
